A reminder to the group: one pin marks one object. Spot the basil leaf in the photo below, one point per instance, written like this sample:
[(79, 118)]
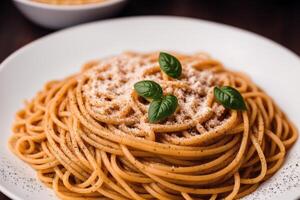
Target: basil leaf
[(162, 108), (170, 65), (148, 89), (229, 98)]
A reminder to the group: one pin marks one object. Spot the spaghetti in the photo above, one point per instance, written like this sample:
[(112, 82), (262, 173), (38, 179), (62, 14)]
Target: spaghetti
[(88, 136), (68, 2)]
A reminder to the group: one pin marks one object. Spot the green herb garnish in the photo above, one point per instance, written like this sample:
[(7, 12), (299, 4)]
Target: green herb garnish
[(162, 108), (148, 89), (229, 98), (170, 65)]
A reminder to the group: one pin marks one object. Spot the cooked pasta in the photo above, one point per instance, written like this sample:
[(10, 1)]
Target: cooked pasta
[(68, 2), (88, 135)]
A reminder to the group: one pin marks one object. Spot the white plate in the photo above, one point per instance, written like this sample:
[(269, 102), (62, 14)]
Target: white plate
[(272, 66)]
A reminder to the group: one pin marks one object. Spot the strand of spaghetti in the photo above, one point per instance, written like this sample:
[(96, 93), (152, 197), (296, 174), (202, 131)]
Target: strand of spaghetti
[(263, 164), (236, 187)]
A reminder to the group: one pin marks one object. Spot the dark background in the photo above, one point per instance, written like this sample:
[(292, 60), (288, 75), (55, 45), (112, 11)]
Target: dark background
[(278, 20)]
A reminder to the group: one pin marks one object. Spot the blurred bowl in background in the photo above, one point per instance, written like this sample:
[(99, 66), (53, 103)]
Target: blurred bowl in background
[(60, 16)]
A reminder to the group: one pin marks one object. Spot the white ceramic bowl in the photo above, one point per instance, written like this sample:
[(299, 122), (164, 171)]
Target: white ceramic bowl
[(60, 16)]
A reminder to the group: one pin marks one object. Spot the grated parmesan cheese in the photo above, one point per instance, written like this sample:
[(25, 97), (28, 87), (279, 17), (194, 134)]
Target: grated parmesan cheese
[(111, 83)]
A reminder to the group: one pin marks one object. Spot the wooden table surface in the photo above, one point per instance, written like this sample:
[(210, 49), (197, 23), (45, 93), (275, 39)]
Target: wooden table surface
[(278, 20)]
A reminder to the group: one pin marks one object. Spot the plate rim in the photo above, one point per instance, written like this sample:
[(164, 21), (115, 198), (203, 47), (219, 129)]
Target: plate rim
[(27, 47)]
